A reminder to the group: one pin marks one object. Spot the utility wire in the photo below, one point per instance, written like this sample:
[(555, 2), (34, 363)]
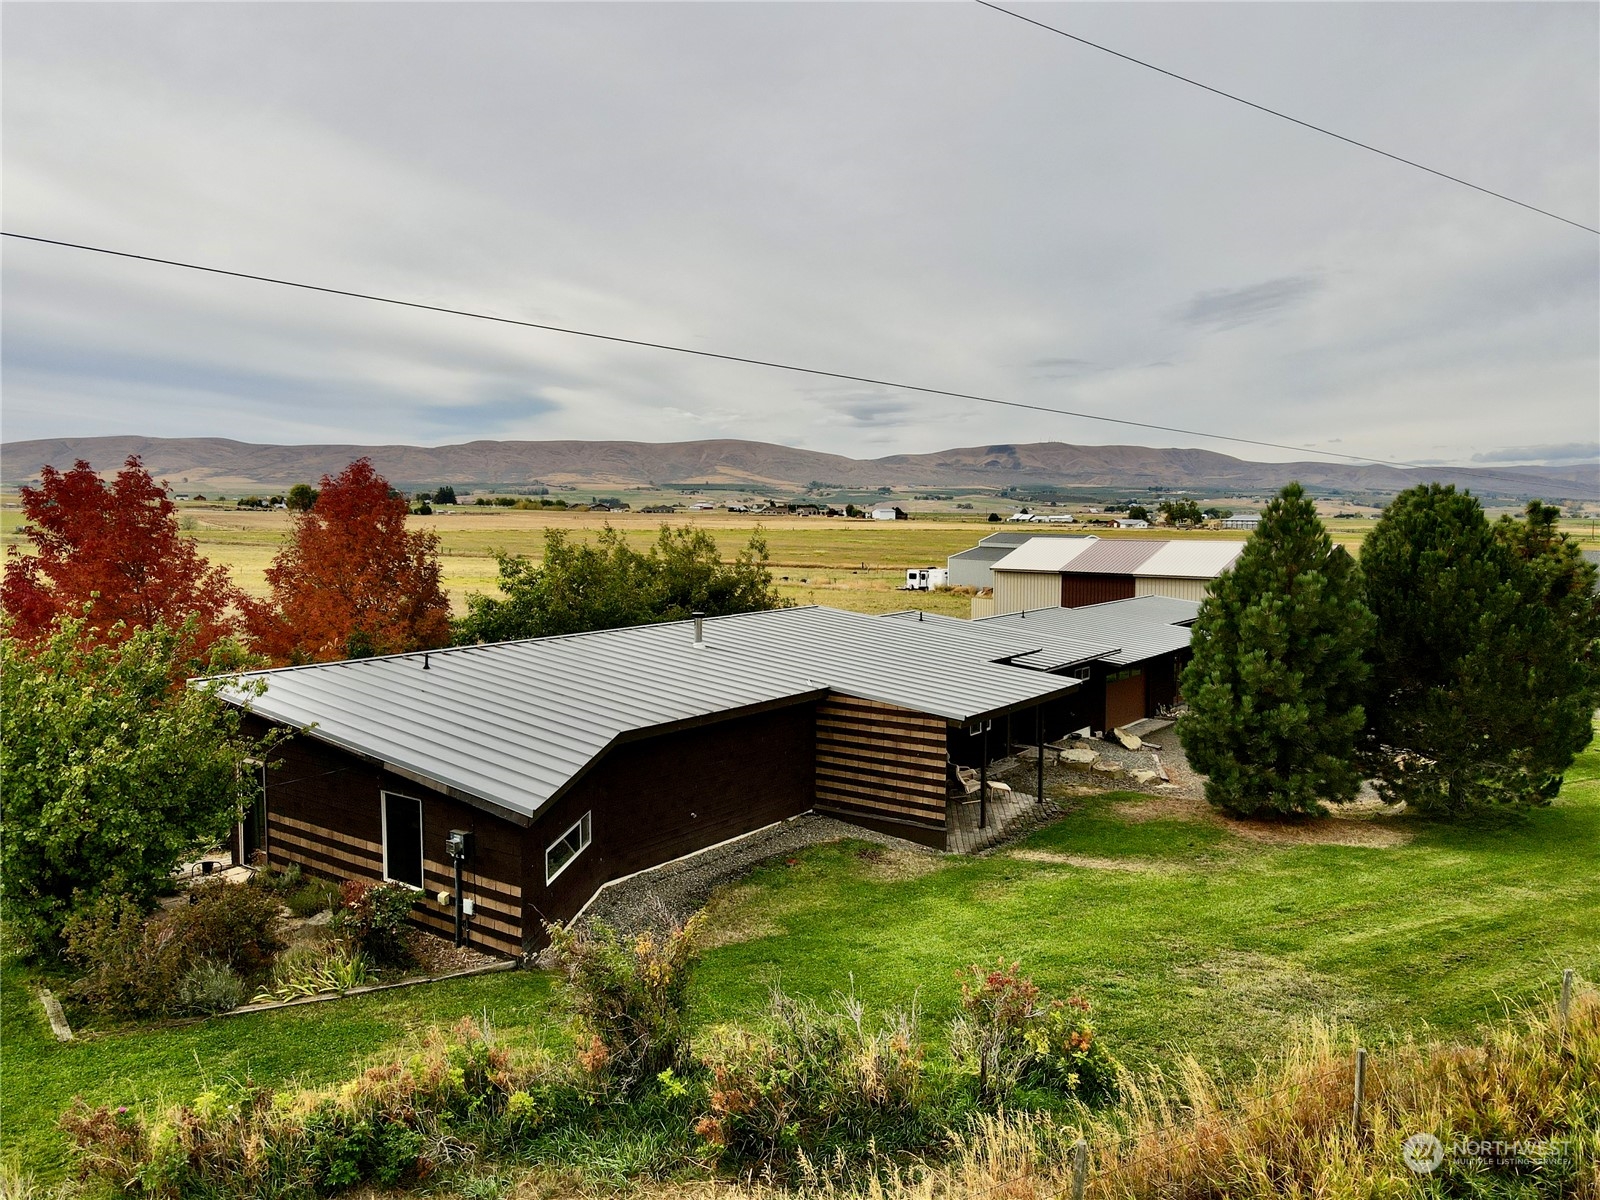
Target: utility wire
[(1083, 41), (735, 358)]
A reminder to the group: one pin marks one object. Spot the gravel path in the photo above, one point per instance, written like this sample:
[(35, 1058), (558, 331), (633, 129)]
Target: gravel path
[(673, 893)]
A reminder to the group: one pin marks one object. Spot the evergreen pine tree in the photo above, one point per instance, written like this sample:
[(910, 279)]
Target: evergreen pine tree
[(1275, 684), (1484, 670)]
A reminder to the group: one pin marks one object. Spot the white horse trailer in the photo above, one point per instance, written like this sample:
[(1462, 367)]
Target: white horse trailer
[(925, 579)]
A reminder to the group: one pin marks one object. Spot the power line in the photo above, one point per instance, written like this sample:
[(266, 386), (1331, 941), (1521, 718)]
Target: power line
[(734, 358), (1083, 41)]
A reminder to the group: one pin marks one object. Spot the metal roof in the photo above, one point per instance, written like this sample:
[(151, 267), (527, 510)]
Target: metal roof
[(1113, 557), (1045, 554), (1191, 560), (1030, 644), (510, 726), (998, 545), (1140, 628)]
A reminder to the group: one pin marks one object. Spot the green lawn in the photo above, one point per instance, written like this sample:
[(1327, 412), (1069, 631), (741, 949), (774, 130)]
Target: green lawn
[(1214, 945)]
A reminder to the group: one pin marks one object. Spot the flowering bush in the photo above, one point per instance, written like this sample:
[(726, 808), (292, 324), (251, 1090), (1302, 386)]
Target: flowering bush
[(627, 999), (1009, 1033), (374, 917), (816, 1080)]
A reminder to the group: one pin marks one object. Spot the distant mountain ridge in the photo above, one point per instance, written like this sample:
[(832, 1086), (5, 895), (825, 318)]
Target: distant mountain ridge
[(221, 463)]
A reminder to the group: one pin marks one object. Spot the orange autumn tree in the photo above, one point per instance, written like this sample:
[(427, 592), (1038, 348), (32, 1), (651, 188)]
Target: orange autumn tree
[(351, 581), (112, 554)]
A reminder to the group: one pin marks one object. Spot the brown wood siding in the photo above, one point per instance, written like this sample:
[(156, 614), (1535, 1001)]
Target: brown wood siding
[(876, 760), (656, 799), (1125, 700), (324, 811), (1083, 589)]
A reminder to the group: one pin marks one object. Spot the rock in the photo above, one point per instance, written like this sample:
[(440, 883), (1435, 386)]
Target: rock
[(1106, 768), (1078, 760), (1144, 776), (1130, 741)]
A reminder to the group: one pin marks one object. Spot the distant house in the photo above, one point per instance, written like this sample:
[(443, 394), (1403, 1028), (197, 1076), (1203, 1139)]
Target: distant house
[(1132, 523), (1241, 521), (888, 512), (702, 506)]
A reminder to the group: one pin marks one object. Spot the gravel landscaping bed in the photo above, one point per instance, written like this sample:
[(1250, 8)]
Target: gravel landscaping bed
[(675, 892)]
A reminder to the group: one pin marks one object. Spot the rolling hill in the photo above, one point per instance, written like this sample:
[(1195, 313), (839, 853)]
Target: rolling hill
[(223, 464)]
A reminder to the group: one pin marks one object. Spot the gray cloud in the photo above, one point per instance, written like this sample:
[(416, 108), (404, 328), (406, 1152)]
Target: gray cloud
[(923, 192), (1548, 455), (1228, 308)]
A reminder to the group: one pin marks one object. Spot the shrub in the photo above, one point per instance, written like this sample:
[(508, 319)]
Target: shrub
[(1009, 1034), (229, 924), (314, 896), (815, 1081), (627, 998), (132, 966), (394, 1124), (373, 916), (311, 968), (277, 879), (208, 987)]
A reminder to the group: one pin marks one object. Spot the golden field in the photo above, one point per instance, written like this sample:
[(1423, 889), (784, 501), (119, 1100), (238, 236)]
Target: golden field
[(847, 563)]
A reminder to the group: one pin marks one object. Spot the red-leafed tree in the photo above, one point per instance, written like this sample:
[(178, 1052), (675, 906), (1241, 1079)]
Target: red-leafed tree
[(351, 581), (111, 552)]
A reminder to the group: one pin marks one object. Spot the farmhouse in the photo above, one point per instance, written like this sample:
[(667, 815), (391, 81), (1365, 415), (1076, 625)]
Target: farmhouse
[(556, 765), (889, 512)]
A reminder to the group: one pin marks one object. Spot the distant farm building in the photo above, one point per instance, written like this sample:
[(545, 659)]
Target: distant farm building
[(1241, 521), (974, 568), (888, 512), (1048, 572)]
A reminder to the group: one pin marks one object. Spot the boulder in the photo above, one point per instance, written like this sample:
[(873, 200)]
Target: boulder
[(1106, 768), (1144, 776), (1079, 759), (1130, 741)]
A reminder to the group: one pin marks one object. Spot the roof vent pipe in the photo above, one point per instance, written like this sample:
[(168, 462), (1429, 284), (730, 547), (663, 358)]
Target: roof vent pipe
[(699, 629), (424, 662)]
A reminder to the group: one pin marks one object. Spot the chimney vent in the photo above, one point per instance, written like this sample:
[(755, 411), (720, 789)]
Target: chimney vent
[(699, 629)]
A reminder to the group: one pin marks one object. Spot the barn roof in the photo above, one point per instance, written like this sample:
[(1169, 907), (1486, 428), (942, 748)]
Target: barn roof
[(1190, 560), (1045, 554), (510, 726), (1114, 557)]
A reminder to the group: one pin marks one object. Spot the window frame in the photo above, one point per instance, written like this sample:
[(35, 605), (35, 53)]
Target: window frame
[(584, 827), (422, 854)]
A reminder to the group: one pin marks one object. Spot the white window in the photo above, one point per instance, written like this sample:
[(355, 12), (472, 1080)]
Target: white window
[(566, 848), (402, 839)]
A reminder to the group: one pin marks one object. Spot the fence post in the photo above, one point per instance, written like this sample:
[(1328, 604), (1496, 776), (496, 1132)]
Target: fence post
[(1566, 1000), (1080, 1168), (1360, 1089)]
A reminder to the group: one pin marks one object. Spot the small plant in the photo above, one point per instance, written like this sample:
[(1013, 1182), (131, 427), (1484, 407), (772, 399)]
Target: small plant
[(208, 987), (627, 998), (312, 968), (277, 879), (1009, 1033), (814, 1082), (312, 897), (374, 917)]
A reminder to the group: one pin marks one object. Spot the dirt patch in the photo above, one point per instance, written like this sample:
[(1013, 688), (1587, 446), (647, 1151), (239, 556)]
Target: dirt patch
[(1090, 863), (1164, 808), (889, 863), (1374, 832)]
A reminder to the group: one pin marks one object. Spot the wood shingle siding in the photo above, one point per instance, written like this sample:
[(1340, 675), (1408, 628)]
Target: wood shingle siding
[(878, 761)]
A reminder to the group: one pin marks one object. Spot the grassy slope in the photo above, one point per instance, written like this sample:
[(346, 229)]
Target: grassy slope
[(317, 1043), (1215, 947)]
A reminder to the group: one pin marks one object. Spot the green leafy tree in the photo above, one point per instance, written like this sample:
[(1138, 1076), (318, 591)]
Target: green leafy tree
[(1138, 512), (301, 497), (1181, 514), (1484, 669), (607, 584), (110, 771), (1275, 684)]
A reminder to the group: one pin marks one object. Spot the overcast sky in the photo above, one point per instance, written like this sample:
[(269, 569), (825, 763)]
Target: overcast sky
[(930, 192)]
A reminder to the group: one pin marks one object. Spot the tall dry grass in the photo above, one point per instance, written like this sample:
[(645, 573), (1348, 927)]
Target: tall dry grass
[(1288, 1130)]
